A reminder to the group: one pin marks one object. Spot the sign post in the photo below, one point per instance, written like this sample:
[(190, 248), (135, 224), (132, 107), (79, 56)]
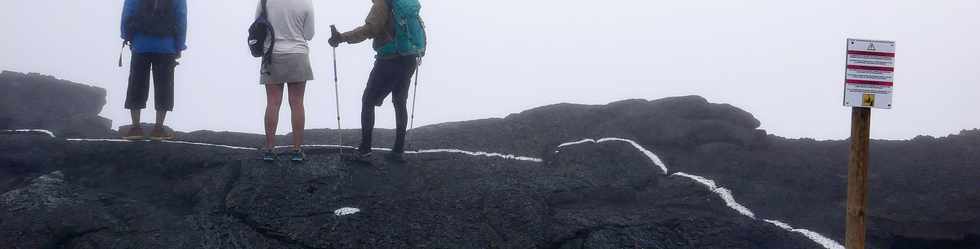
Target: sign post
[(869, 81)]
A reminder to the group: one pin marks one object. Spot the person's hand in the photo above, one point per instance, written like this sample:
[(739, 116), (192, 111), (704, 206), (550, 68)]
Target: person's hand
[(335, 37)]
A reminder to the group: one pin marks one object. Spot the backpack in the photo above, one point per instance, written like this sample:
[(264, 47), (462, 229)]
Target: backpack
[(153, 18), (260, 33), (409, 30)]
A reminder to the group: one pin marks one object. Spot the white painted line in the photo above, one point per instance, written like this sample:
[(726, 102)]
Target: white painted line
[(816, 237), (165, 141), (478, 153), (346, 211), (99, 140), (207, 144), (653, 157), (472, 153), (46, 132), (317, 146), (724, 193), (587, 140)]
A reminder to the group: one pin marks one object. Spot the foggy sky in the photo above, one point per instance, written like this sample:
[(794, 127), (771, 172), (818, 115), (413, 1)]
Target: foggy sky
[(783, 61)]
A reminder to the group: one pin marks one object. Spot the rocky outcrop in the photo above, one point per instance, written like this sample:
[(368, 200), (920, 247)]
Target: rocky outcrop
[(682, 122), (35, 101)]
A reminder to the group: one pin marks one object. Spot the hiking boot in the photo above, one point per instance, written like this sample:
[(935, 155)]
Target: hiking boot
[(269, 155), (395, 157), (361, 156), (297, 156), (159, 133), (134, 133)]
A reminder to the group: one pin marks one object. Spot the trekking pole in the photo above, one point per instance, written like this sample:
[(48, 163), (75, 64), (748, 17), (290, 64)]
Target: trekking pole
[(415, 91), (336, 91), (123, 48)]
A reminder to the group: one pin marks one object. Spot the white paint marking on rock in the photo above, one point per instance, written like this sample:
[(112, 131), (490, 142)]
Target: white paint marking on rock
[(317, 146), (346, 211), (816, 237), (724, 193), (478, 153), (457, 151), (207, 144), (99, 140), (165, 141), (587, 140), (653, 157), (46, 132)]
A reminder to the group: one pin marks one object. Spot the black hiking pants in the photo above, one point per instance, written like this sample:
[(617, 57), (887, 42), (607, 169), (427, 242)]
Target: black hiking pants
[(389, 76), (162, 67)]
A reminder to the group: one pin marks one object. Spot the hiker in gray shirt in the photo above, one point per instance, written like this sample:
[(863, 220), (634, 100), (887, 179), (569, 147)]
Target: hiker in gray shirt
[(290, 67)]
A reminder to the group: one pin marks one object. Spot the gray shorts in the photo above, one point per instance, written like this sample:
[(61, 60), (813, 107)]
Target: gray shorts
[(286, 68)]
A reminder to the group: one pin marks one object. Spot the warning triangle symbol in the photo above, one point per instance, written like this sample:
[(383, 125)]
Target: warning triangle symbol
[(871, 47)]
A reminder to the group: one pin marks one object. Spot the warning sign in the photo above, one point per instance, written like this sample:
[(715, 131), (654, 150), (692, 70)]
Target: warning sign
[(870, 76)]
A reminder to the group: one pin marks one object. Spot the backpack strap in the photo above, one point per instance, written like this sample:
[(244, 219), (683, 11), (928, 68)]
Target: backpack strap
[(265, 10), (267, 59), (391, 17)]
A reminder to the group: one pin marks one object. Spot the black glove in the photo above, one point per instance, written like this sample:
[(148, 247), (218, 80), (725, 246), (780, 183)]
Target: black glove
[(335, 37)]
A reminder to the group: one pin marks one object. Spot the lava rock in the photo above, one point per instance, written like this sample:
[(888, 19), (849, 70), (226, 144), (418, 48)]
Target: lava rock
[(35, 101)]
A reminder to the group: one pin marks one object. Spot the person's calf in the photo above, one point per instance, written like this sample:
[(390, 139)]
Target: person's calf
[(161, 118)]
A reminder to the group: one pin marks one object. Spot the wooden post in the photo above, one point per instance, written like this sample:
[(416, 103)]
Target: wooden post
[(857, 177)]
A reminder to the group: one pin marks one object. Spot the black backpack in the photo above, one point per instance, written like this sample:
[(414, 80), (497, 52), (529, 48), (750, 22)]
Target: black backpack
[(259, 33), (154, 18)]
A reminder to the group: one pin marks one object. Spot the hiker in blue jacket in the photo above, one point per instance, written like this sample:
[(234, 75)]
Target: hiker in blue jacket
[(157, 33)]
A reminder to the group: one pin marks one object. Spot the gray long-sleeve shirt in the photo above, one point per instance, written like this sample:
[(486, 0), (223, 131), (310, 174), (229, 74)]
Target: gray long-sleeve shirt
[(294, 24)]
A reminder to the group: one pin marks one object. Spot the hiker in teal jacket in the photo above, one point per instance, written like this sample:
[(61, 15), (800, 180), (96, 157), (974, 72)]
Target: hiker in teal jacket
[(157, 33), (399, 39)]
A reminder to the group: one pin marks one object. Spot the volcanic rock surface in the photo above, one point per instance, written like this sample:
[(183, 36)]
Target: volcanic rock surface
[(159, 195), (671, 173), (35, 101)]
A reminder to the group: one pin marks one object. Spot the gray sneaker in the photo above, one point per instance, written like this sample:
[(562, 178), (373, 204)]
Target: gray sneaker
[(269, 155), (297, 156)]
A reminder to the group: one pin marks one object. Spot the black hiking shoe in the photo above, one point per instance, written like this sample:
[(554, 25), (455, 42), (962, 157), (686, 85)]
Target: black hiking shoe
[(269, 155), (297, 156), (362, 156), (396, 157)]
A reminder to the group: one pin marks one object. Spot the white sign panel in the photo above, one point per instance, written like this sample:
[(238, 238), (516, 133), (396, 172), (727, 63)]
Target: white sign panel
[(870, 76)]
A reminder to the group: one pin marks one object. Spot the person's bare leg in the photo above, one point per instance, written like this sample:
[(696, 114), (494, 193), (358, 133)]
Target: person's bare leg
[(135, 115), (297, 111), (135, 131), (273, 96), (161, 117)]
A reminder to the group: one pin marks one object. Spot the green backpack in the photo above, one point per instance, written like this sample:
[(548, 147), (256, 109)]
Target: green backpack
[(409, 30)]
